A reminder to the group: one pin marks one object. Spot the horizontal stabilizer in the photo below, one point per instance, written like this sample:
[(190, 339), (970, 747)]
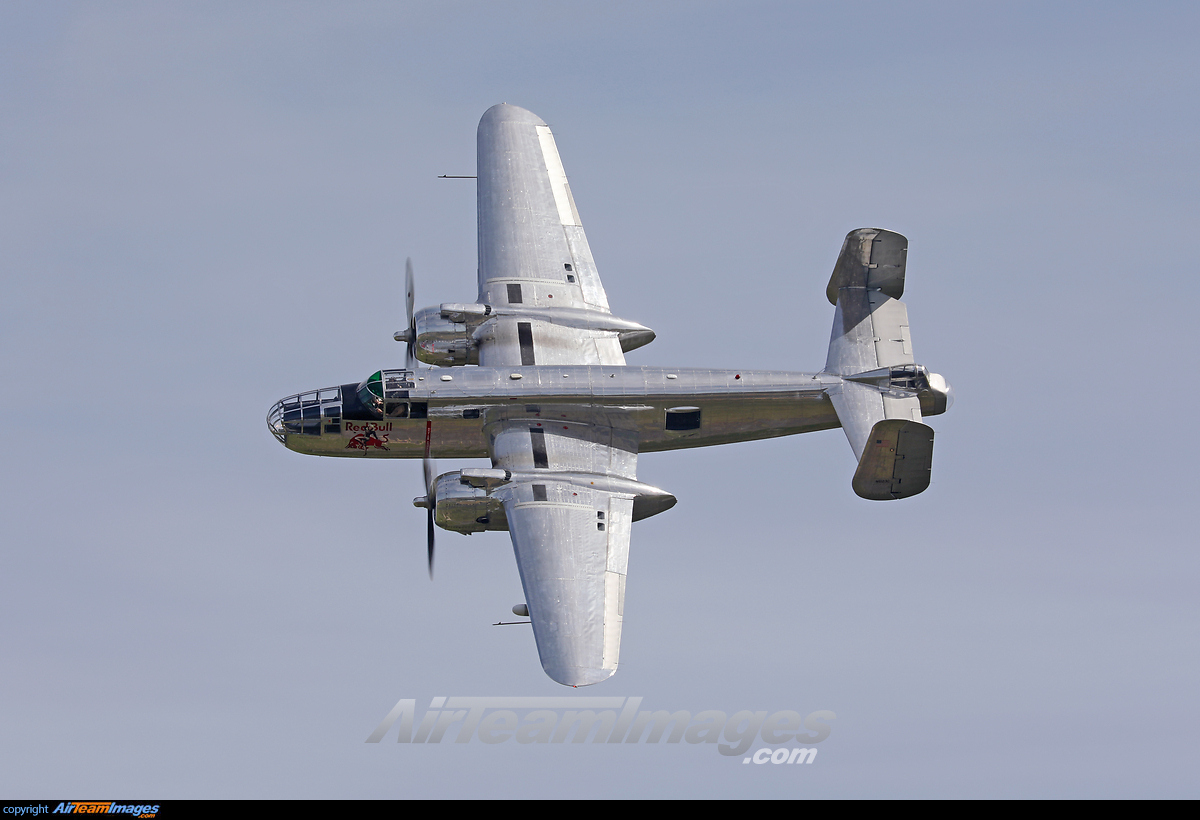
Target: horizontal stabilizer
[(871, 258), (896, 460)]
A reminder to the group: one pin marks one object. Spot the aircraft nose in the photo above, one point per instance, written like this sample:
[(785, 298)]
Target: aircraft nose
[(304, 413), (275, 421)]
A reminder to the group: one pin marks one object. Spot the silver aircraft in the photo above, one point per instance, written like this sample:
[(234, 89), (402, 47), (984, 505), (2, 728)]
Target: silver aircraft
[(552, 403)]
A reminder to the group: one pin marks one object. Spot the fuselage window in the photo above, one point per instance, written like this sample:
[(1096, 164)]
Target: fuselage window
[(397, 409), (397, 380), (683, 418)]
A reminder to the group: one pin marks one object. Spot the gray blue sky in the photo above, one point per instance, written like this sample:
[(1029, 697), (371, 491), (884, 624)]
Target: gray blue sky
[(207, 206)]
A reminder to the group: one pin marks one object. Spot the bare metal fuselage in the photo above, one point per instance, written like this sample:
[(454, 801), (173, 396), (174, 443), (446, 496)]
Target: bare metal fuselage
[(655, 407)]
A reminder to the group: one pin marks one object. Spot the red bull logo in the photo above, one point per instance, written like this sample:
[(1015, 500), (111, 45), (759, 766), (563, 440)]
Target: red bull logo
[(364, 441), (366, 426)]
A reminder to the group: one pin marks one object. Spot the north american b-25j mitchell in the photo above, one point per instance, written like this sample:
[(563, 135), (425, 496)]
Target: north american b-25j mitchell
[(551, 402)]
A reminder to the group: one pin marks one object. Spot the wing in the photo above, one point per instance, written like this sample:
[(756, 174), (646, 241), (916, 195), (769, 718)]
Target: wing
[(572, 548), (535, 266), (570, 506)]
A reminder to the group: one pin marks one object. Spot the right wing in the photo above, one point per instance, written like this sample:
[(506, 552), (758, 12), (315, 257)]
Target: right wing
[(570, 497), (572, 548)]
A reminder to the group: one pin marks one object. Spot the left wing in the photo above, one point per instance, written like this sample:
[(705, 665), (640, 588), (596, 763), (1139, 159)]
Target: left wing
[(570, 499), (536, 270)]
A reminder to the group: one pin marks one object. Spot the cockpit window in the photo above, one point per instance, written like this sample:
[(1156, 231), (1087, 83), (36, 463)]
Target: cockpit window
[(374, 383), (370, 393), (370, 400), (390, 385)]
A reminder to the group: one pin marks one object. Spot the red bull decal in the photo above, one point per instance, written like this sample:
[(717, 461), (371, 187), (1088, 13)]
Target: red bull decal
[(363, 441), (367, 427)]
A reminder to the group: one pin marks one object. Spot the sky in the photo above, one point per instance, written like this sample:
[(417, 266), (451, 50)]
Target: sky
[(207, 206)]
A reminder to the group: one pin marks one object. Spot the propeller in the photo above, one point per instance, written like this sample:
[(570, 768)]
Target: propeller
[(410, 334), (430, 503)]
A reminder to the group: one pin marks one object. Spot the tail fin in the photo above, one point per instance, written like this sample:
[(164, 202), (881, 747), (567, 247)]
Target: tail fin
[(870, 327), (871, 350)]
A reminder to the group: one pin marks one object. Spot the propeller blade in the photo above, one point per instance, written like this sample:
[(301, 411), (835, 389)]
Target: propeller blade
[(410, 358), (409, 294), (430, 468), (429, 534), (430, 475)]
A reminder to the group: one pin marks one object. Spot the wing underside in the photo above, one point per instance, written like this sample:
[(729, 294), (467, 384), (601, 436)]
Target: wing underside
[(570, 507), (533, 253), (572, 550)]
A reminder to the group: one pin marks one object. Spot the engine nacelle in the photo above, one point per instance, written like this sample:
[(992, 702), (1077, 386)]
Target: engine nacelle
[(443, 342), (447, 335), (464, 508), (465, 501)]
